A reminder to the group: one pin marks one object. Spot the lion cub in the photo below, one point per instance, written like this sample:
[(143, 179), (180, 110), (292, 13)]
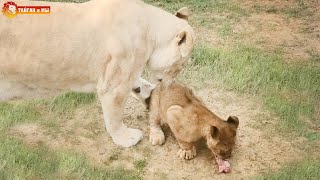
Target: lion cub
[(190, 120)]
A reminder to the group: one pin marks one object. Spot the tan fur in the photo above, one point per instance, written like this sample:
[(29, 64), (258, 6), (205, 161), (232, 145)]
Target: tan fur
[(190, 120), (100, 45)]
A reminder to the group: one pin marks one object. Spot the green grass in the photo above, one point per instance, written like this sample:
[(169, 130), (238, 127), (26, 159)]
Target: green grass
[(140, 164), (300, 9), (203, 11), (69, 101), (314, 55), (225, 29), (196, 5), (20, 162), (307, 169), (13, 113), (291, 91), (202, 6)]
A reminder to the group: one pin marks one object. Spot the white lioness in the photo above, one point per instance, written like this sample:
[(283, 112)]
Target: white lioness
[(101, 45)]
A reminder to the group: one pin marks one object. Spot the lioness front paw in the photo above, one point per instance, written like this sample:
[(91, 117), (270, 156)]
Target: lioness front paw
[(156, 137), (187, 154), (127, 137)]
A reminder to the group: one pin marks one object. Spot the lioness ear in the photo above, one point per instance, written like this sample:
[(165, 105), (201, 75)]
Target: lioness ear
[(233, 120), (181, 37), (184, 41), (214, 131), (183, 13)]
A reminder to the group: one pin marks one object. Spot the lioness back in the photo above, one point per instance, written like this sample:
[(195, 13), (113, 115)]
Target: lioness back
[(71, 45)]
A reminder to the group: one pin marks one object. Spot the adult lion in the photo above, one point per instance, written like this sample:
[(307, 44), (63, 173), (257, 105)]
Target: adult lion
[(100, 45)]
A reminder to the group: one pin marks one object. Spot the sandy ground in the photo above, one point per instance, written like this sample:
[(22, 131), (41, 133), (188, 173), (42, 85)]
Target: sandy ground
[(298, 38), (256, 151)]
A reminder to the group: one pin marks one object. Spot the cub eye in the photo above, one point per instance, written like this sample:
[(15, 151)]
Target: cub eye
[(159, 80)]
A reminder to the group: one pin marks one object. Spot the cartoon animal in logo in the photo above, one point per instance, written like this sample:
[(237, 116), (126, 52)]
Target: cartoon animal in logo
[(10, 9)]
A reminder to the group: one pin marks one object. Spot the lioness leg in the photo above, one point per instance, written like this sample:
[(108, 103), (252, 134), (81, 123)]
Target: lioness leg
[(187, 151), (112, 105), (114, 87)]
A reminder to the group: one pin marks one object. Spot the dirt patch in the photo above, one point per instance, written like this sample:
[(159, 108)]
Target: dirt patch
[(276, 32), (269, 3), (255, 151), (289, 27)]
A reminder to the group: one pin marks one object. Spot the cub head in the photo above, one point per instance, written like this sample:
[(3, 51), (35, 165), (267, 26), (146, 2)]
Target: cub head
[(221, 140), (174, 47)]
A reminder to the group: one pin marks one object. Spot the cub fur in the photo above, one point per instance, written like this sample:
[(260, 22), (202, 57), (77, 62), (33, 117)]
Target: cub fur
[(190, 120)]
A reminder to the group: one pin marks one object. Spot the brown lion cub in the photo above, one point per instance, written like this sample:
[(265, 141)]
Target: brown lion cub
[(190, 120)]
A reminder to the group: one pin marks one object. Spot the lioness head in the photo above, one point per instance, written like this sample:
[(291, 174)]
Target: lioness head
[(143, 91), (174, 50), (221, 140)]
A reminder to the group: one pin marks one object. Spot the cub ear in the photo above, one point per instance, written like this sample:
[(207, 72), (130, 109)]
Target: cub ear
[(233, 120), (214, 131), (183, 13)]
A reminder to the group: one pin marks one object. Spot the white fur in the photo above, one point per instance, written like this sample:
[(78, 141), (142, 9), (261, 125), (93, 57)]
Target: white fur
[(100, 45)]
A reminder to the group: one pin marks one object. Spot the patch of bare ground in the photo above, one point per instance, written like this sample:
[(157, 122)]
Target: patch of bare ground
[(209, 36), (206, 30), (277, 32), (269, 3), (257, 150), (271, 27)]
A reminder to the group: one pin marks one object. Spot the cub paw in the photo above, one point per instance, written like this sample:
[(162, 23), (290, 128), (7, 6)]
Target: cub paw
[(156, 137), (187, 154)]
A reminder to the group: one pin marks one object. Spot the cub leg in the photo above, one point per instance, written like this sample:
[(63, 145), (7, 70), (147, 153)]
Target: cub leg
[(156, 134), (187, 150), (175, 118)]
